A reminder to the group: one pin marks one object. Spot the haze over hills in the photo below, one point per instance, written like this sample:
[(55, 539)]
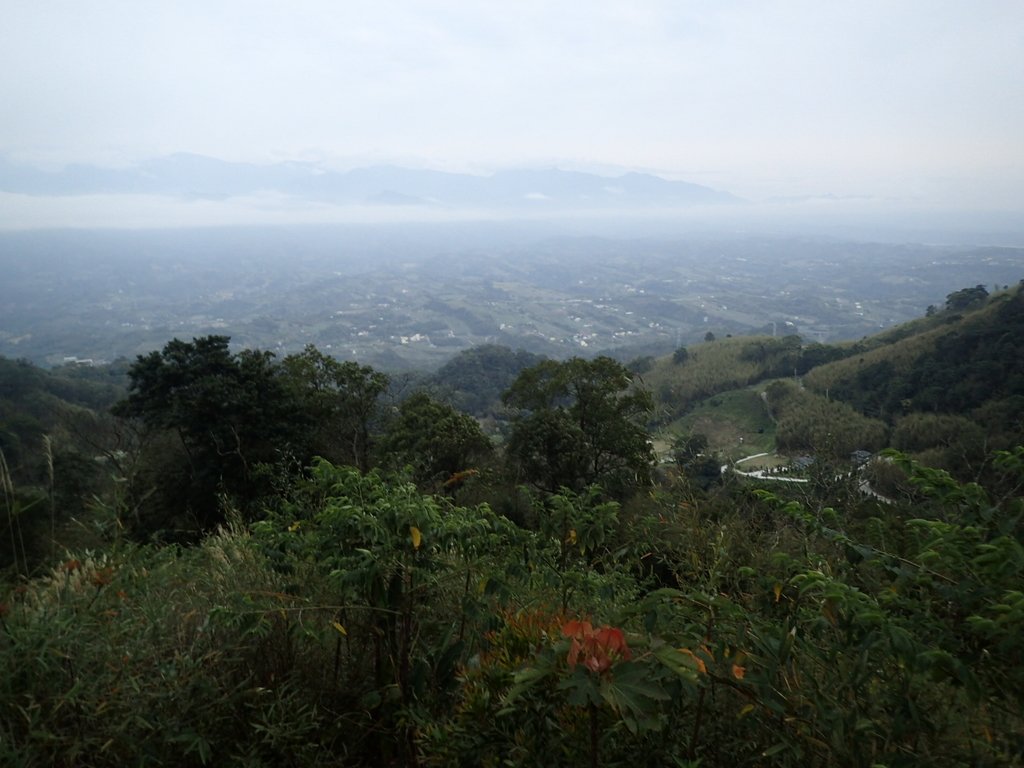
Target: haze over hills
[(186, 190), (412, 296), (446, 383), (192, 176)]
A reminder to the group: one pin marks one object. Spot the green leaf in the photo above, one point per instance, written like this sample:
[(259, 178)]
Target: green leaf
[(629, 691), (581, 688), (524, 680), (682, 664)]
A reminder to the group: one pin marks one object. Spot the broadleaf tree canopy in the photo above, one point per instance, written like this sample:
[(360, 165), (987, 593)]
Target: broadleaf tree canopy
[(578, 423)]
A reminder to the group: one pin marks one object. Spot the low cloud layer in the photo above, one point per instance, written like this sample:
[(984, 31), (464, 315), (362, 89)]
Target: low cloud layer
[(917, 100)]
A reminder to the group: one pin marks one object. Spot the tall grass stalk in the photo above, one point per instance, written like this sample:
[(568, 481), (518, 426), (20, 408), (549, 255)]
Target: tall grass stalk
[(48, 453), (13, 523)]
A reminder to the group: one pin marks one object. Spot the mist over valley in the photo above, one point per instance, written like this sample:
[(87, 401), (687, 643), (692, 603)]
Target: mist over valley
[(410, 296)]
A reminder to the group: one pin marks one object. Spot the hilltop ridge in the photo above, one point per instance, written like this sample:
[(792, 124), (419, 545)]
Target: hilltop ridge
[(192, 176)]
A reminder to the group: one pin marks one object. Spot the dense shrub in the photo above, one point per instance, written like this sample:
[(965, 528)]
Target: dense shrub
[(364, 623)]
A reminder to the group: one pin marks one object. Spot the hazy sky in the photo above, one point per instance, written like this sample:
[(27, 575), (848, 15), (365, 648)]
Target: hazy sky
[(918, 100)]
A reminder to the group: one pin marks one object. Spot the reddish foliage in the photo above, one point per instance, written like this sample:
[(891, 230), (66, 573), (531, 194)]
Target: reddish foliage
[(596, 648), (103, 577)]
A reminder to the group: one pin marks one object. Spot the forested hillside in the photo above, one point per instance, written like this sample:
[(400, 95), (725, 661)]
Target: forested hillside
[(54, 437), (305, 561), (474, 380), (951, 386)]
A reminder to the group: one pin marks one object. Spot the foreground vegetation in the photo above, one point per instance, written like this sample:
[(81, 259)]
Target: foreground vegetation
[(365, 623), (283, 563)]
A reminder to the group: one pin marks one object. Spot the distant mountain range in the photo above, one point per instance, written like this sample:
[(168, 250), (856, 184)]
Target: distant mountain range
[(196, 177)]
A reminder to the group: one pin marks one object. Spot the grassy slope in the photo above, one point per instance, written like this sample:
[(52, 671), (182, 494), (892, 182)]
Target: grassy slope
[(736, 423), (717, 390), (713, 367), (712, 393)]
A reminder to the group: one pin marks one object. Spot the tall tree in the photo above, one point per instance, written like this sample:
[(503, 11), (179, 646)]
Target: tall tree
[(578, 423), (341, 400), (228, 412), (434, 439), (966, 298)]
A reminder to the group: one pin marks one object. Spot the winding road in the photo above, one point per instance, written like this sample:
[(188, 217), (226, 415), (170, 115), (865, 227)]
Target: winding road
[(863, 486)]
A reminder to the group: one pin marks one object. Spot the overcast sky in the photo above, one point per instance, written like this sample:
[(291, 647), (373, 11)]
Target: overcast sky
[(919, 100)]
